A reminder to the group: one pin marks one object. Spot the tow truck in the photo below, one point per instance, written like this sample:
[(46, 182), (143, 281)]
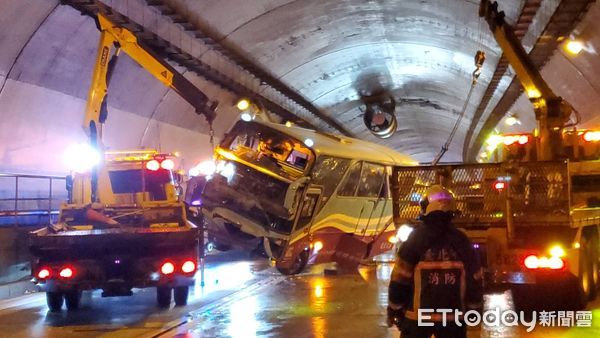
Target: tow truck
[(534, 216), (123, 225)]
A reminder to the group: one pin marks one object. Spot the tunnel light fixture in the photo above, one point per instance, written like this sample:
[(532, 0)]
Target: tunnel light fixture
[(534, 93), (309, 142), (246, 117), (243, 104), (574, 46), (512, 120)]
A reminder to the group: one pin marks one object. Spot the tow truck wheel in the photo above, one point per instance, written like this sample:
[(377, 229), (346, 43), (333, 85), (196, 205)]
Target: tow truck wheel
[(298, 265), (72, 299), (163, 296), (54, 301), (181, 295)]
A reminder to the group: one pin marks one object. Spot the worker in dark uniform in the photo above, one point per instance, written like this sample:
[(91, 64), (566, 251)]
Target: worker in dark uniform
[(436, 268)]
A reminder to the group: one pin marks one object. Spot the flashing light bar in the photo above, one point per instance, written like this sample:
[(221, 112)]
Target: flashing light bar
[(512, 139), (591, 136)]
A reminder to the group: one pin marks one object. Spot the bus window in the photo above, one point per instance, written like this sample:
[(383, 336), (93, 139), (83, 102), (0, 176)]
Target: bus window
[(327, 171), (348, 187), (371, 180), (270, 149)]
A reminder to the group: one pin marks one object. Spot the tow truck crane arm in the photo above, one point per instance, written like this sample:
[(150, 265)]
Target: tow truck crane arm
[(114, 37), (113, 40), (551, 111)]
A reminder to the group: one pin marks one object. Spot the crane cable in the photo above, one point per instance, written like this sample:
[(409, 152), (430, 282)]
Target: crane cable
[(479, 60)]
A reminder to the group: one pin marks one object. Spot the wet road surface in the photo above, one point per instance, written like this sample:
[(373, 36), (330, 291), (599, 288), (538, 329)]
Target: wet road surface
[(248, 298)]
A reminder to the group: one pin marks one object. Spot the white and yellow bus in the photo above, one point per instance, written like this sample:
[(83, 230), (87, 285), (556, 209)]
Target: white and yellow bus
[(302, 195)]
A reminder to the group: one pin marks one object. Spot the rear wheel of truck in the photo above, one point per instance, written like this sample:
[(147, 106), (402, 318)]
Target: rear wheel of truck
[(180, 294), (54, 301), (163, 296), (72, 300), (298, 265)]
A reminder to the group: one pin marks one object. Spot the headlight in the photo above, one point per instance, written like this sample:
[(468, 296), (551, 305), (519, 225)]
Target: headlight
[(404, 232)]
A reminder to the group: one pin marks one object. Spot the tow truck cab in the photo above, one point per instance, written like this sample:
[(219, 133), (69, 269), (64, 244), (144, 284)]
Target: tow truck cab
[(135, 235)]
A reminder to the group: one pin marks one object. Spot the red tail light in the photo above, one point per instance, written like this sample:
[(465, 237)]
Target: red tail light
[(167, 164), (152, 165), (499, 185), (188, 266), (67, 272), (167, 268), (523, 139), (43, 273), (533, 262), (591, 136)]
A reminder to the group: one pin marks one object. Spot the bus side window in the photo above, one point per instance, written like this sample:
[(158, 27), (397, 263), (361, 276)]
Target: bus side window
[(371, 180), (348, 187), (327, 172)]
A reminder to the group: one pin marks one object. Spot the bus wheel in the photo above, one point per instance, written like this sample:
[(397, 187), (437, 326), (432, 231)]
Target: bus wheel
[(72, 299), (298, 265), (180, 294), (54, 301), (163, 296)]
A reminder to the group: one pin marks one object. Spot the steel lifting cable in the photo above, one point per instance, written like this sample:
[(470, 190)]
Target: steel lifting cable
[(479, 60)]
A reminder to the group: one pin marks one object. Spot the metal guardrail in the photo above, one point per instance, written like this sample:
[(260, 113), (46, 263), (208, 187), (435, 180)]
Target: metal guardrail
[(538, 192), (20, 213)]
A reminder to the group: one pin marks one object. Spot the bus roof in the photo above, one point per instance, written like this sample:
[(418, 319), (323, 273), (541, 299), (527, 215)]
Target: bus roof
[(345, 147)]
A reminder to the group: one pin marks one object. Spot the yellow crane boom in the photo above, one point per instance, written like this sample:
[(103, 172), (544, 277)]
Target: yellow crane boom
[(113, 40), (551, 111)]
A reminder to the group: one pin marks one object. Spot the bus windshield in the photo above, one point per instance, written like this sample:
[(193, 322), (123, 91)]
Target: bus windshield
[(269, 149)]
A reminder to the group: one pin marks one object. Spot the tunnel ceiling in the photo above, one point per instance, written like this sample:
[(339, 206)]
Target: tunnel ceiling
[(329, 52), (421, 51), (332, 51)]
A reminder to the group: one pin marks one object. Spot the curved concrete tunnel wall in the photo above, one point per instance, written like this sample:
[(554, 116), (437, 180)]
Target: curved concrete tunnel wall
[(46, 62)]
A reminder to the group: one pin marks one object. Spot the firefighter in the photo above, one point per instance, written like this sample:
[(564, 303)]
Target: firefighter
[(436, 268)]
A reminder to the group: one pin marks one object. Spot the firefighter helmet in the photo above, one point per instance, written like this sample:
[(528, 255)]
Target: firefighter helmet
[(437, 198)]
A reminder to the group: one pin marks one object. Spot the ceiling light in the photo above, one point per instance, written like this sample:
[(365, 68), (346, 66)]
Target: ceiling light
[(574, 47), (512, 120), (243, 104)]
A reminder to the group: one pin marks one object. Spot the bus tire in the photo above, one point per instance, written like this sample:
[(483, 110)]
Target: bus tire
[(72, 300), (54, 301), (163, 296), (299, 264), (180, 293)]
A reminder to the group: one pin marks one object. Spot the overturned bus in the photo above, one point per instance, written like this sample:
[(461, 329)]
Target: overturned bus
[(300, 195)]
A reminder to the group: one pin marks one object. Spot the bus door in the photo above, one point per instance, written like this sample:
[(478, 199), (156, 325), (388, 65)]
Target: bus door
[(307, 210), (372, 191)]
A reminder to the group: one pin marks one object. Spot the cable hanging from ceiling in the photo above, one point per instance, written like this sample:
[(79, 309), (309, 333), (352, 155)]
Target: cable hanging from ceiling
[(479, 60)]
